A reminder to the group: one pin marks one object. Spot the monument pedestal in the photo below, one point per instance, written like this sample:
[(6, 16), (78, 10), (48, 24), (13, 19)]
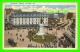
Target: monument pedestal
[(41, 30)]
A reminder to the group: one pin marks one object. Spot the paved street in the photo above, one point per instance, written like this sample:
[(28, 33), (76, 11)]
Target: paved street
[(24, 33)]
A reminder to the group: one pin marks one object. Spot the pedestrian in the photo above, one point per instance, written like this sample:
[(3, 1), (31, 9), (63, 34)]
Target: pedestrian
[(30, 40), (18, 30), (17, 38), (64, 28), (20, 35), (41, 45), (23, 39), (11, 34), (8, 32), (20, 39), (16, 34), (36, 45), (26, 36)]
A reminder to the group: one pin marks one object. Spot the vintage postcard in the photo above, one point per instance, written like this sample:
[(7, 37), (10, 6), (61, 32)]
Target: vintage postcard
[(39, 25)]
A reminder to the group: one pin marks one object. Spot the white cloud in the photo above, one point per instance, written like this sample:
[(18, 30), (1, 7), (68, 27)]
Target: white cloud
[(41, 9), (17, 7), (70, 9)]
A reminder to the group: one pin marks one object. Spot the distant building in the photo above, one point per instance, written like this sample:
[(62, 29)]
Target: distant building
[(8, 11), (70, 15), (56, 16), (27, 18)]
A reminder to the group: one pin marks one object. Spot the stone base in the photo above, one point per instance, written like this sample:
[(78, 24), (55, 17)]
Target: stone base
[(40, 33)]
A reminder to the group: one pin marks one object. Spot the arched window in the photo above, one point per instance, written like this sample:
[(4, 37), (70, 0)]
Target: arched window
[(34, 14), (27, 15), (23, 14), (30, 14)]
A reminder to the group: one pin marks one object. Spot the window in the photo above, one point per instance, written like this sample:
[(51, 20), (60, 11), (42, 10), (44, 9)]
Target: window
[(17, 15), (14, 15), (30, 14), (19, 20), (44, 14), (20, 14), (32, 19), (47, 15), (19, 23), (32, 22), (15, 23), (37, 14), (25, 19), (22, 23), (55, 15), (36, 19), (34, 15), (46, 19), (40, 15), (15, 19), (22, 19), (29, 22), (27, 15), (29, 19), (26, 23), (23, 14), (36, 22), (10, 18)]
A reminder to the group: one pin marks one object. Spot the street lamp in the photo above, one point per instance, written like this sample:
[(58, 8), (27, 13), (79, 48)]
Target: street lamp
[(56, 28)]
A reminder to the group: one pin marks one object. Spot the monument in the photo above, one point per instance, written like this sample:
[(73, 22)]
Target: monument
[(41, 29)]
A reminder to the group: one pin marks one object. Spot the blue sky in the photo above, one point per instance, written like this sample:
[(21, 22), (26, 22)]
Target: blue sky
[(39, 6)]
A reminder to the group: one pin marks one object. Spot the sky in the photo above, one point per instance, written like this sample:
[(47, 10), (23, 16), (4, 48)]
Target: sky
[(42, 7)]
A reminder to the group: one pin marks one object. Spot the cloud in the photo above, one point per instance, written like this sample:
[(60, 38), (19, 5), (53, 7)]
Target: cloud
[(17, 7), (41, 9), (70, 9)]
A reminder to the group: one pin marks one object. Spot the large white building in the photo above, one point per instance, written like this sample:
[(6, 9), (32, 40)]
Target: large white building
[(27, 18)]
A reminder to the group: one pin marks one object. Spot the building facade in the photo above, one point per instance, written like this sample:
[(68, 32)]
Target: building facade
[(8, 11), (28, 18)]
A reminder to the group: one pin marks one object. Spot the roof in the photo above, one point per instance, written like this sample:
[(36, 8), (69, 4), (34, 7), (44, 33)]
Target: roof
[(34, 12), (28, 14), (70, 37), (59, 15)]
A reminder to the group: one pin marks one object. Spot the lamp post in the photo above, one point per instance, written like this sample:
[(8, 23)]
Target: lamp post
[(56, 28)]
